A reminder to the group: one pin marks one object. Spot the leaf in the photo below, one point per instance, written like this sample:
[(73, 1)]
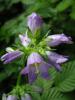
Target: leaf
[(13, 27), (44, 83), (63, 5), (54, 94), (53, 73), (73, 11), (65, 81), (8, 71), (35, 96)]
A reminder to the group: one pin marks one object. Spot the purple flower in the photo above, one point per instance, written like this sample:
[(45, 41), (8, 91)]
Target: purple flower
[(56, 59), (11, 97), (26, 97), (36, 65), (10, 56), (54, 40), (34, 22), (25, 40)]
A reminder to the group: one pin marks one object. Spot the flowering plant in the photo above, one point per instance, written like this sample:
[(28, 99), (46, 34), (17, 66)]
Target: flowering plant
[(40, 58)]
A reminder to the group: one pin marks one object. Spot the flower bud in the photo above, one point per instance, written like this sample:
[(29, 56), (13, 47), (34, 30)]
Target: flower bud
[(34, 22), (4, 97), (11, 97), (57, 39), (10, 56), (9, 49), (25, 40), (26, 97)]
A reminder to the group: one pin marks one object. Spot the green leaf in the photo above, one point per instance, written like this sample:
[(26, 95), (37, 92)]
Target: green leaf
[(54, 94), (65, 81), (8, 71), (35, 96), (13, 27), (45, 84), (63, 5), (73, 11), (53, 73)]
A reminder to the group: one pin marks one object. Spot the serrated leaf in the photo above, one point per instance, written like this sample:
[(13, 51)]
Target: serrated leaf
[(53, 73), (65, 81), (54, 94)]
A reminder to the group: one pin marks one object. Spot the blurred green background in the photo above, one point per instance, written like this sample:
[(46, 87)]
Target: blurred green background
[(59, 17)]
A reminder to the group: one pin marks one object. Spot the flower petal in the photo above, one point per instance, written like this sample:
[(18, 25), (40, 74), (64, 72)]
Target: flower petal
[(32, 75), (45, 75), (57, 66), (43, 68), (34, 58), (54, 64), (25, 71), (25, 40), (56, 57), (31, 71)]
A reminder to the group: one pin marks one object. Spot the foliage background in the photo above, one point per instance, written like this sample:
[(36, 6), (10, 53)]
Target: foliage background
[(59, 16)]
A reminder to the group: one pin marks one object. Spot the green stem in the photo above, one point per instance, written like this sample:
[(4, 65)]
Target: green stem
[(18, 80)]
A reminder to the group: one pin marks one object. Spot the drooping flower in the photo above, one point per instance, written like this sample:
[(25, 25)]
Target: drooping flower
[(34, 22), (56, 59), (11, 97), (25, 40), (36, 65), (10, 56), (54, 40), (26, 97)]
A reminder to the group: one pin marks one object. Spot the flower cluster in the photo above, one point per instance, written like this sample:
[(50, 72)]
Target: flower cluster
[(40, 55)]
